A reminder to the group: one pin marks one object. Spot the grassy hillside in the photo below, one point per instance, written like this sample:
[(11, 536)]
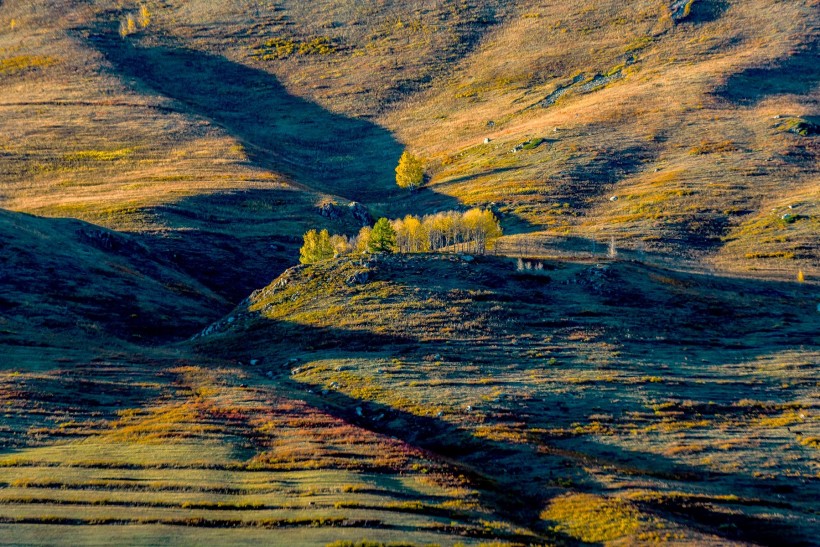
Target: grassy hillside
[(432, 399), (189, 453), (612, 401), (647, 373), (685, 123), (687, 113)]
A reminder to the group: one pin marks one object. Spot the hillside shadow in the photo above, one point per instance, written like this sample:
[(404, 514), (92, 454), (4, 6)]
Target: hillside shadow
[(281, 132), (67, 275), (796, 75), (706, 11), (514, 479), (583, 184), (236, 241)]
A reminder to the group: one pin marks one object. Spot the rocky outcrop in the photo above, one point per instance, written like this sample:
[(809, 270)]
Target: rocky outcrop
[(330, 210), (360, 213)]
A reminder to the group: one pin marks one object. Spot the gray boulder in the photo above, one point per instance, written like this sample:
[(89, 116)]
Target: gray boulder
[(358, 278)]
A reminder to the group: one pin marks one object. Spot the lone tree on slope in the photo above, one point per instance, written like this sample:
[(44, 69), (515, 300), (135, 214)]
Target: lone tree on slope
[(409, 171)]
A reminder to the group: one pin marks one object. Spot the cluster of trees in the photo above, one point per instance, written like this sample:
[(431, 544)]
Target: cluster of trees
[(133, 22), (319, 246), (472, 231)]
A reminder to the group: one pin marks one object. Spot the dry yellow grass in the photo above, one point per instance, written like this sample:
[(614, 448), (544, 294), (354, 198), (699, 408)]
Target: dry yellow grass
[(434, 76)]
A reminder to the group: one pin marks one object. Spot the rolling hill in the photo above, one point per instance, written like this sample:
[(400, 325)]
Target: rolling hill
[(646, 372)]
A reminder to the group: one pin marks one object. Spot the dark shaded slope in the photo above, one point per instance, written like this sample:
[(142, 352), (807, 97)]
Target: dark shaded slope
[(283, 133), (799, 74), (66, 278)]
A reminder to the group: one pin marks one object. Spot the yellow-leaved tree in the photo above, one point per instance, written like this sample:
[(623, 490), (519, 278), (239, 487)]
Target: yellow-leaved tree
[(409, 171), (317, 247)]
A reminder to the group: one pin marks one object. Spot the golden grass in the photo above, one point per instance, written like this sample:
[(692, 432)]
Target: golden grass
[(98, 155), (593, 519), (23, 63)]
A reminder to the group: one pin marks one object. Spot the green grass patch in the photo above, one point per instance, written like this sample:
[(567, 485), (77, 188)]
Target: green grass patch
[(533, 144)]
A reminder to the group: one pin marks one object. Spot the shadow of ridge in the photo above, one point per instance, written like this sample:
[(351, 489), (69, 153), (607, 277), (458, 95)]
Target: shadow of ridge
[(237, 241), (442, 442), (696, 511), (483, 462), (139, 296), (250, 334), (798, 74), (284, 133)]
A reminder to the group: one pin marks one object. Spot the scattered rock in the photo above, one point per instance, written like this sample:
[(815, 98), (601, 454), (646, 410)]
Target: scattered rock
[(613, 198), (680, 9), (358, 278), (805, 126), (596, 278), (254, 362), (469, 408), (358, 411), (487, 140), (467, 258), (269, 374), (490, 123)]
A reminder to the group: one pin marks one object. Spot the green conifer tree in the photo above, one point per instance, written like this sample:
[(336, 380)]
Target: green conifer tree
[(382, 237)]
